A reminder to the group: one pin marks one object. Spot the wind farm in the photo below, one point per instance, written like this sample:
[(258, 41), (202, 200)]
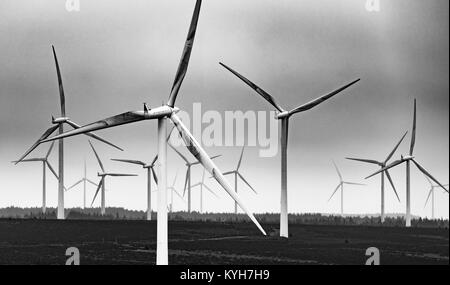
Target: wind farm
[(237, 184)]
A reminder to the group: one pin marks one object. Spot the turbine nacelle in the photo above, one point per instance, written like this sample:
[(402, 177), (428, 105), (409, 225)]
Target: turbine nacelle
[(282, 115), (101, 174), (407, 157), (59, 120)]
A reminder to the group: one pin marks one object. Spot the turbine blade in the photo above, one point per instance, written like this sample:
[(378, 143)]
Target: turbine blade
[(121, 174), (52, 170), (334, 192), (429, 194), (258, 90), (392, 184), (174, 179), (154, 160), (246, 182), (321, 99), (98, 158), (29, 160), (121, 119), (395, 163), (353, 183), (75, 184), (364, 160), (395, 148), (413, 134), (184, 62), (90, 181), (98, 189), (337, 170), (154, 175), (240, 159), (49, 150), (138, 162), (178, 194), (428, 174), (45, 135), (429, 181), (179, 153), (76, 126), (194, 147), (186, 180), (210, 190), (60, 85)]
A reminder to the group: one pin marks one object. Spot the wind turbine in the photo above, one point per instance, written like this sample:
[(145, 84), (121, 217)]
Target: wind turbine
[(84, 180), (45, 163), (238, 174), (162, 114), (173, 190), (431, 193), (284, 116), (202, 184), (59, 124), (187, 181), (150, 171), (102, 182), (383, 164), (341, 187), (408, 159)]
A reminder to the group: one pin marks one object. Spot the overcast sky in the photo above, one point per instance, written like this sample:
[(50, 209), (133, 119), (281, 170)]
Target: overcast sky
[(115, 55)]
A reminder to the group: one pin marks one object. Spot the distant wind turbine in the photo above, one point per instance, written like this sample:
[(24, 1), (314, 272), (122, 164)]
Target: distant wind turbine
[(341, 187), (188, 179), (162, 114), (59, 124), (202, 184), (173, 190), (431, 193), (284, 116), (238, 174), (45, 163), (84, 180), (383, 164), (102, 182), (407, 159), (150, 170)]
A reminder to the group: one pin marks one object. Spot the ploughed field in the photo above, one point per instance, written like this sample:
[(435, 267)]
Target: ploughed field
[(31, 241)]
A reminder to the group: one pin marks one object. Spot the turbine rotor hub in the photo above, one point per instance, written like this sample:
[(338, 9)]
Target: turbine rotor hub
[(282, 115), (60, 120)]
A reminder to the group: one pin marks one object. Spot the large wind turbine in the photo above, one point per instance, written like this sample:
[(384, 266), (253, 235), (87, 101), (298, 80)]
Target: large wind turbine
[(45, 163), (408, 159), (341, 187), (59, 124), (102, 182), (187, 181), (162, 114), (383, 164), (84, 180), (202, 184), (284, 116), (236, 175), (431, 193), (150, 171)]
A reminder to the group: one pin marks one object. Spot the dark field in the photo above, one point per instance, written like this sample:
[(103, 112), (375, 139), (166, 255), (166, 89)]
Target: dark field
[(134, 242)]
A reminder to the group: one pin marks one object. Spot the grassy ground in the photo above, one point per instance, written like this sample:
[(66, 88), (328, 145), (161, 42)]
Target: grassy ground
[(134, 242)]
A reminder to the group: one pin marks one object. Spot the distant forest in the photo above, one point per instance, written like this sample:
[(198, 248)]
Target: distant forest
[(392, 220)]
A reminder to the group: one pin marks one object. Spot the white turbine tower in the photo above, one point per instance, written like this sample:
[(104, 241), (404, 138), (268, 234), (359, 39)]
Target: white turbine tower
[(431, 193), (408, 159), (150, 170), (383, 164), (59, 124), (45, 164), (237, 174), (284, 116), (188, 179), (84, 180), (202, 184), (162, 114), (341, 187), (102, 182)]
